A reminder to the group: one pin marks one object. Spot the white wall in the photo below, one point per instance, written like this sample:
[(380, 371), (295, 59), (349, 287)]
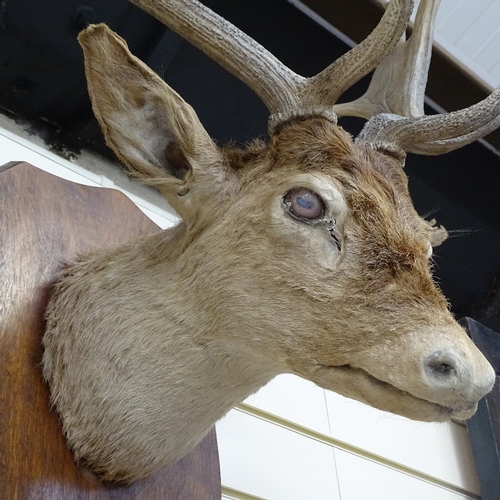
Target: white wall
[(293, 440)]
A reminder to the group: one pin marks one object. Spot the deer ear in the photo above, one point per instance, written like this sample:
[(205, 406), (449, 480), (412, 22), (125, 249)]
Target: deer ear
[(147, 124)]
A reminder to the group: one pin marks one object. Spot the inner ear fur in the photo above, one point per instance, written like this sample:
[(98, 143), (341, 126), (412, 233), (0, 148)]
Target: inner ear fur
[(151, 129)]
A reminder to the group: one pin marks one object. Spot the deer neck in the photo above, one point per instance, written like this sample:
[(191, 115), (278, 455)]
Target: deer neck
[(197, 341)]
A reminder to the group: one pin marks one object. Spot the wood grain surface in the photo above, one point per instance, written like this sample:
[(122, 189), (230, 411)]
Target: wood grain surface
[(45, 222)]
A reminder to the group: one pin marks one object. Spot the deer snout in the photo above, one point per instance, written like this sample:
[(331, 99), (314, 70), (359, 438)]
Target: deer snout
[(460, 381)]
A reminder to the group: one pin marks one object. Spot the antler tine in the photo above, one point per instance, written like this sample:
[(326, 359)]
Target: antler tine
[(272, 81), (394, 101), (439, 134), (333, 81), (285, 93), (398, 84)]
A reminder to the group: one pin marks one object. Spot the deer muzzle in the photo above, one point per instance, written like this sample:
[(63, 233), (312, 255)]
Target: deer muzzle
[(425, 376), (458, 381)]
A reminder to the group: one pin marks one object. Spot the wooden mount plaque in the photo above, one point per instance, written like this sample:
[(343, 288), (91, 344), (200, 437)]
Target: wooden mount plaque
[(45, 222)]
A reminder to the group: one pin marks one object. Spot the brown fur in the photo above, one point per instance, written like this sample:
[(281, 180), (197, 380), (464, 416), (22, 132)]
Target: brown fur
[(148, 345)]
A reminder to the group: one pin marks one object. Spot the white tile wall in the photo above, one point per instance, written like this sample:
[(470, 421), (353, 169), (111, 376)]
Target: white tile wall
[(294, 399), (456, 23), (481, 34), (361, 479), (269, 461), (440, 450), (296, 448), (469, 31), (447, 8)]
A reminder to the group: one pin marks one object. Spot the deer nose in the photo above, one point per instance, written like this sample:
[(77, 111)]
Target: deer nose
[(456, 377), (443, 369), (458, 382)]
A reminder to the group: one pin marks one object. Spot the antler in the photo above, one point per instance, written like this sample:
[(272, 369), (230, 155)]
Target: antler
[(285, 93), (395, 100), (398, 84)]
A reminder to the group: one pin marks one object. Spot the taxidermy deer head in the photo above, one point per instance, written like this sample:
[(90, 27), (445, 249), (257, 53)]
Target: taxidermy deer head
[(302, 255)]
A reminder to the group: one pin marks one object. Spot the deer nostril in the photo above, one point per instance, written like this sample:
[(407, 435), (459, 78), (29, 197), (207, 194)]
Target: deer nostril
[(441, 368), (441, 365)]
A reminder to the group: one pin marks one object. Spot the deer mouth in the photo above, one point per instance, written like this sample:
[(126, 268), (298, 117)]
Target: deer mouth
[(359, 384)]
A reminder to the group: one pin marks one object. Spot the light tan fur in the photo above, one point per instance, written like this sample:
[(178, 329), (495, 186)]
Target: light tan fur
[(148, 345)]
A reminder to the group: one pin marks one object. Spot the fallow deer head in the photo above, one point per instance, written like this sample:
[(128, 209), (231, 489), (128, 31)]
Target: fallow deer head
[(303, 255)]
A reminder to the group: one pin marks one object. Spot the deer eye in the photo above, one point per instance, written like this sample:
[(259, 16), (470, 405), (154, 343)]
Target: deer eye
[(304, 204)]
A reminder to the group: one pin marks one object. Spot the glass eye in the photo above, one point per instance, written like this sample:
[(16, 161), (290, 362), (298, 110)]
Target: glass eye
[(304, 204)]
